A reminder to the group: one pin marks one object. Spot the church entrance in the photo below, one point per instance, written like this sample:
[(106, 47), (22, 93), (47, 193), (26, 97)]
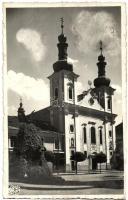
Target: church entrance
[(94, 164)]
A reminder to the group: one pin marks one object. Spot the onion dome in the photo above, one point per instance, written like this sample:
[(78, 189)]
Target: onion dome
[(62, 53), (102, 80)]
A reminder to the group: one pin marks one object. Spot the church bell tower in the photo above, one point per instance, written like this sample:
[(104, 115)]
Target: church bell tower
[(63, 82), (104, 93)]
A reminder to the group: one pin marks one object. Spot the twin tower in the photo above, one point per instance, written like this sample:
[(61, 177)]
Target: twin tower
[(85, 125)]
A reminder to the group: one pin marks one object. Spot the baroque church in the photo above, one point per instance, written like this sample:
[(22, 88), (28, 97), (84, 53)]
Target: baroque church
[(74, 122)]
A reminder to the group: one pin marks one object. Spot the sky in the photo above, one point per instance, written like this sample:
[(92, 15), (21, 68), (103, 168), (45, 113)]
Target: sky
[(32, 37)]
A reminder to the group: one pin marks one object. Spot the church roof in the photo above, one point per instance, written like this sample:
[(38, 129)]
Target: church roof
[(86, 111), (40, 118)]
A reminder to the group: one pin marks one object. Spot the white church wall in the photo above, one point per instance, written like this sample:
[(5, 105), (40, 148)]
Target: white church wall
[(86, 103), (67, 140), (88, 146), (66, 95)]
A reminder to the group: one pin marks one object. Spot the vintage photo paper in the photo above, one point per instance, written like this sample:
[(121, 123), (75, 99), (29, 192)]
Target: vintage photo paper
[(64, 100)]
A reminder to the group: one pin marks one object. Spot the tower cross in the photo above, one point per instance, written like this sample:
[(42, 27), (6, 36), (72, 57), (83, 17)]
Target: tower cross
[(62, 23), (101, 47), (20, 100)]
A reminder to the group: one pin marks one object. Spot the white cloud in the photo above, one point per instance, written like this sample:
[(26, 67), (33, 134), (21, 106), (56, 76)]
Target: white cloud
[(91, 27), (31, 40), (71, 60), (79, 87), (28, 87)]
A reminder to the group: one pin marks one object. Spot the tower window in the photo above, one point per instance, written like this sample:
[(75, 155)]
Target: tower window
[(72, 142), (70, 92), (100, 132), (56, 93), (93, 135), (12, 142), (110, 133), (109, 103), (84, 132), (71, 128)]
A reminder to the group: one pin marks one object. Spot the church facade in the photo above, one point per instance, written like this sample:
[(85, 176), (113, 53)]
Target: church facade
[(83, 122)]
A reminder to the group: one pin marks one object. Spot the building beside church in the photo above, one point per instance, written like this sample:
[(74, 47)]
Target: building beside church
[(76, 122)]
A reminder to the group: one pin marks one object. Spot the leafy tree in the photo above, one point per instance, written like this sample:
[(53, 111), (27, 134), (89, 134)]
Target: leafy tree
[(78, 157), (117, 159), (29, 143), (101, 158)]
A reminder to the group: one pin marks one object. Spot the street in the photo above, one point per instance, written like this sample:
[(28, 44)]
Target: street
[(79, 184)]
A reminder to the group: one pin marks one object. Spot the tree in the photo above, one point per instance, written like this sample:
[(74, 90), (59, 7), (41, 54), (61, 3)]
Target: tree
[(78, 157), (101, 158), (29, 143), (49, 156), (117, 159)]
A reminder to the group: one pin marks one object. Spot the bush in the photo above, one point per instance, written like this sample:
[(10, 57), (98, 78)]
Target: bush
[(29, 143), (49, 156), (117, 159), (18, 167), (78, 157), (101, 158)]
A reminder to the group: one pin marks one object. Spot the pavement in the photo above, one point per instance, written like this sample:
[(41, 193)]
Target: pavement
[(108, 182)]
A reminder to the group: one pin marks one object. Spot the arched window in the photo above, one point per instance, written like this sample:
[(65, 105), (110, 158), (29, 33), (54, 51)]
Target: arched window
[(100, 132), (71, 128), (72, 142), (110, 133), (70, 92), (109, 103), (56, 93), (84, 132), (93, 135)]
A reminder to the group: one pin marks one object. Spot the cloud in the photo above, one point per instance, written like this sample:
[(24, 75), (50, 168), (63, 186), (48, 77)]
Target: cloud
[(79, 87), (28, 87), (31, 40), (91, 27), (71, 60)]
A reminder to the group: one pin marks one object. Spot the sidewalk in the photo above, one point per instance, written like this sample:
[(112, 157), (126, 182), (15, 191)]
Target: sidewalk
[(48, 187), (74, 181)]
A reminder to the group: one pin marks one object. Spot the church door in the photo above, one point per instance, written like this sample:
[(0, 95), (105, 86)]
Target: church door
[(94, 164)]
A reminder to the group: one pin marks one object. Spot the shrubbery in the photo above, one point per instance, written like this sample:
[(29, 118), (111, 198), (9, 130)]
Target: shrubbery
[(101, 158), (29, 160), (117, 160), (78, 157)]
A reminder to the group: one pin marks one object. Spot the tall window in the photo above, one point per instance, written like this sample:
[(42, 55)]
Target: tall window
[(100, 132), (85, 137), (70, 92), (72, 142), (109, 103), (110, 133), (12, 141), (56, 144), (56, 93), (93, 135), (71, 128)]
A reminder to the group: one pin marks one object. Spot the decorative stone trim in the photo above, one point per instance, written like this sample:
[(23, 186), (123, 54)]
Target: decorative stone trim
[(92, 123)]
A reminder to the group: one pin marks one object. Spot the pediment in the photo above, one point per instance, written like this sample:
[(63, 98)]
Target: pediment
[(90, 102)]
